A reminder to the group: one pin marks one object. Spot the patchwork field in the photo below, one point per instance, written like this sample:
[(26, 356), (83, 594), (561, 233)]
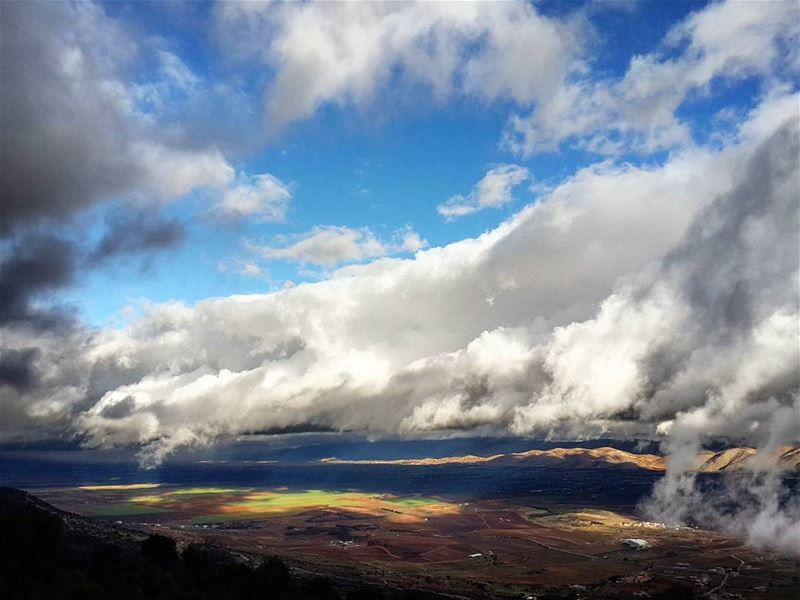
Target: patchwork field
[(501, 547), (199, 505)]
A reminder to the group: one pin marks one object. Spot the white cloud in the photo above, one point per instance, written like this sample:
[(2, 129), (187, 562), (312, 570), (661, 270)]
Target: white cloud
[(176, 71), (329, 246), (723, 42), (247, 268), (351, 53), (364, 55), (410, 240), (251, 269), (174, 172), (492, 191), (262, 196)]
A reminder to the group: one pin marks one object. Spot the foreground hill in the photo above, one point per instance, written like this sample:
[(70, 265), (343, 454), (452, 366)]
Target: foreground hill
[(732, 459)]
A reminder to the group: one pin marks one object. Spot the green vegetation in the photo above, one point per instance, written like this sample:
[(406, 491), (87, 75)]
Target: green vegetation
[(215, 505)]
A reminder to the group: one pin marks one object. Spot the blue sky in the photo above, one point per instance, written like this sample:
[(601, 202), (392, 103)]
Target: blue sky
[(353, 168)]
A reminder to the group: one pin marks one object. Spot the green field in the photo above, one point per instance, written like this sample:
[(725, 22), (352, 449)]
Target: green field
[(218, 504)]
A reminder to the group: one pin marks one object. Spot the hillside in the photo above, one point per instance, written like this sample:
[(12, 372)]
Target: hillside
[(732, 459), (582, 458)]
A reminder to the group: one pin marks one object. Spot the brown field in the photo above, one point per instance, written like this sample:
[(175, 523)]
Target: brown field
[(487, 548)]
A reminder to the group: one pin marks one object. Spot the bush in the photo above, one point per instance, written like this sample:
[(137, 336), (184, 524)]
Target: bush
[(160, 551)]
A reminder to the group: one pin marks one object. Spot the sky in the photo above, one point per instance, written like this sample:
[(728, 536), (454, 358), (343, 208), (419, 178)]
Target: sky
[(548, 219)]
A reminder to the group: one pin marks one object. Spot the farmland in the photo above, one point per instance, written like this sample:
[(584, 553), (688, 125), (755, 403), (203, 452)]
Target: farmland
[(494, 547)]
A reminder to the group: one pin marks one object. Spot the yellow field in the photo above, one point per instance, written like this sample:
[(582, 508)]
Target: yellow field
[(119, 487), (221, 504)]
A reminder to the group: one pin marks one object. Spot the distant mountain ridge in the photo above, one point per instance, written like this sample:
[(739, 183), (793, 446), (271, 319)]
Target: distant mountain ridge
[(732, 459)]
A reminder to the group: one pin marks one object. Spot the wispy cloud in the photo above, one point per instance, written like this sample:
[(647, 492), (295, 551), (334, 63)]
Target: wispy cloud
[(494, 190), (329, 246), (264, 197)]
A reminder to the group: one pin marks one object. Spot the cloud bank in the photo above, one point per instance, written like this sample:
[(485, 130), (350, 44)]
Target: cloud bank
[(630, 301)]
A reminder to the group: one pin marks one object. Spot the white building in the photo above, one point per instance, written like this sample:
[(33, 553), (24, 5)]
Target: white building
[(636, 543)]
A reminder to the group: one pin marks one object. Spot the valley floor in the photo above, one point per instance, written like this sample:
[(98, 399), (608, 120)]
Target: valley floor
[(510, 547)]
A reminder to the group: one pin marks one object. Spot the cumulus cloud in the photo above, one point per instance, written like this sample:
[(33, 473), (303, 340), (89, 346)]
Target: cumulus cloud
[(263, 196), (715, 321), (409, 240), (353, 53), (329, 246), (363, 55), (29, 268), (723, 43), (493, 190), (628, 301)]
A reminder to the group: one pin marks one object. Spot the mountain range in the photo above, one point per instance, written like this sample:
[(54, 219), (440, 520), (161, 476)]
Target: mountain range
[(786, 458)]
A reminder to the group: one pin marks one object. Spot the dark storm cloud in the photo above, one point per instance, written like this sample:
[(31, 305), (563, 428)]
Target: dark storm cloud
[(17, 368), (31, 266), (36, 264), (136, 232), (121, 409), (83, 121), (62, 138)]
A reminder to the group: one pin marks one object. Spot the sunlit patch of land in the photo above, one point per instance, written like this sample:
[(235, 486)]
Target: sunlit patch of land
[(406, 509), (211, 505), (119, 487), (194, 491)]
